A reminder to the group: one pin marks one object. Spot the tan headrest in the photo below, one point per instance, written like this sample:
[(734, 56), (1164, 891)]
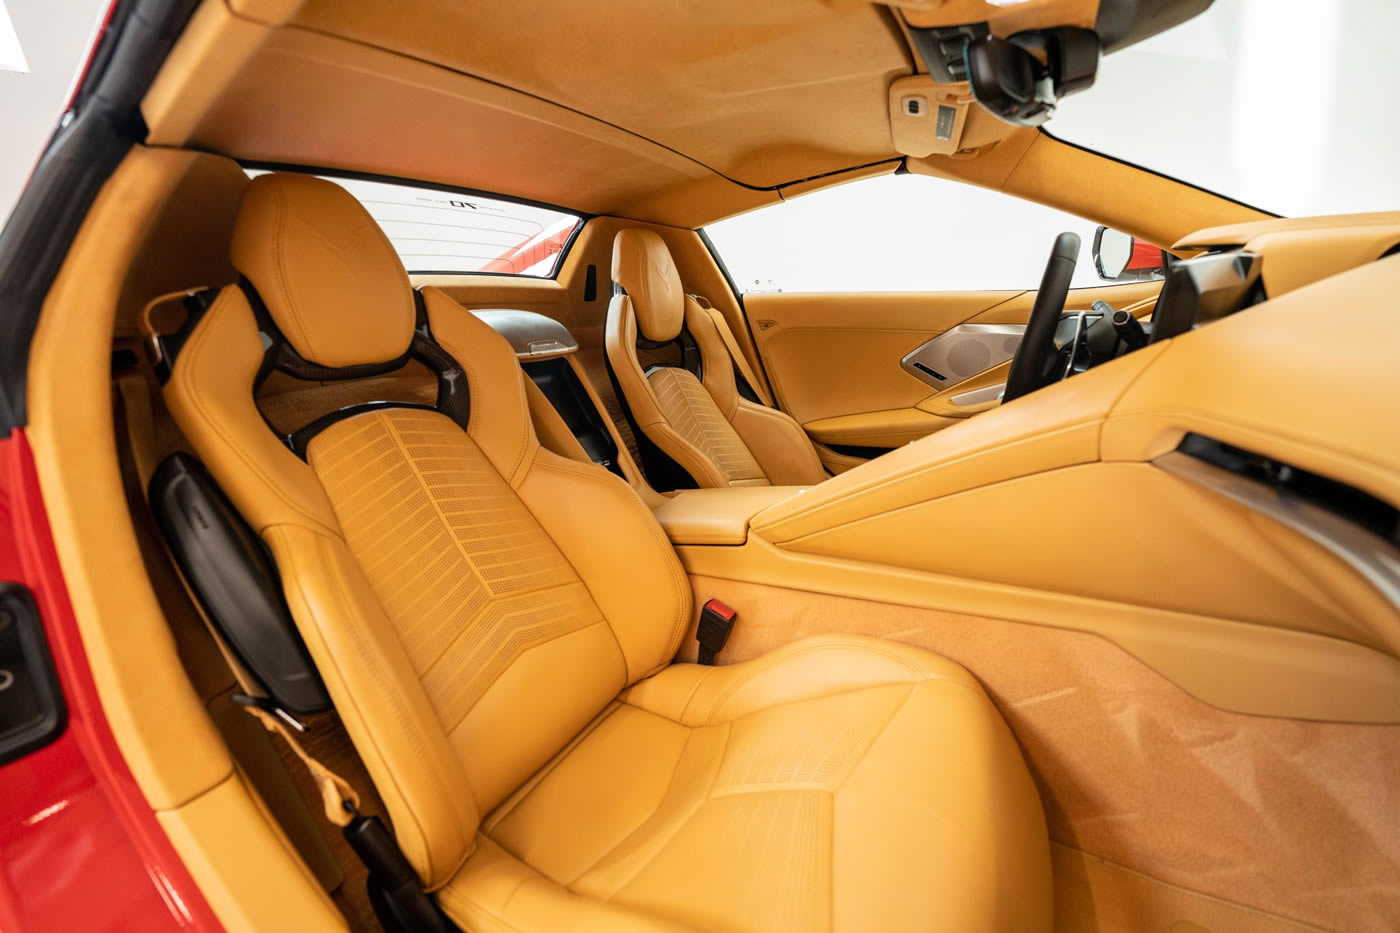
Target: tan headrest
[(642, 265), (327, 273)]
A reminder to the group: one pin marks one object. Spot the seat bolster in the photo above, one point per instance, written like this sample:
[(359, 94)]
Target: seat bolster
[(500, 412), (697, 695), (380, 700), (497, 892), (716, 366), (945, 799), (779, 445), (625, 560), (210, 396)]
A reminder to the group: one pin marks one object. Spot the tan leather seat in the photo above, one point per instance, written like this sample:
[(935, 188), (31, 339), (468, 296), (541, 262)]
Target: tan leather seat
[(704, 425), (508, 681)]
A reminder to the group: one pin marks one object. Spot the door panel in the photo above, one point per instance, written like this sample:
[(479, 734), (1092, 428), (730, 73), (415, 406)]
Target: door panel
[(834, 359)]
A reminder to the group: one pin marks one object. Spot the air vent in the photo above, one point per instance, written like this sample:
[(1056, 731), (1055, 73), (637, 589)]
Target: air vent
[(1344, 501)]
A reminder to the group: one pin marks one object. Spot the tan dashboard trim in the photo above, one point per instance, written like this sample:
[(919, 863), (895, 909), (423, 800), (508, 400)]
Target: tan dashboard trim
[(1238, 234), (1244, 668)]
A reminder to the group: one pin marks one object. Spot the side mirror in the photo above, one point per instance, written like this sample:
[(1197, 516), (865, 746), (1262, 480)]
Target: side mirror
[(1119, 257)]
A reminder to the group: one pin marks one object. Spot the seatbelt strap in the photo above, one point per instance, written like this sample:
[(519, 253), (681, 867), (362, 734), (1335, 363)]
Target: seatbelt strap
[(341, 801), (732, 347), (716, 622)]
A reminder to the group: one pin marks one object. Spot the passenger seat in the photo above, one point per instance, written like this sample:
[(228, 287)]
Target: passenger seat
[(693, 413), (496, 626)]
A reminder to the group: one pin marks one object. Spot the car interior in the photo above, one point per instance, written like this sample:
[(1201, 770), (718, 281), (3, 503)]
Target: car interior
[(586, 590)]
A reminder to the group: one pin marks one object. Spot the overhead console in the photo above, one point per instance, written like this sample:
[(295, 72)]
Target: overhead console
[(1018, 60)]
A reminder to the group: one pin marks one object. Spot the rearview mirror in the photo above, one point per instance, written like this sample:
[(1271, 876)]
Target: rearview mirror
[(1119, 257), (1020, 79)]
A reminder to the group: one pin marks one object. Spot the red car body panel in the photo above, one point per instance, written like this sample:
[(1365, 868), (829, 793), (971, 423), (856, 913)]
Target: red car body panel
[(80, 847)]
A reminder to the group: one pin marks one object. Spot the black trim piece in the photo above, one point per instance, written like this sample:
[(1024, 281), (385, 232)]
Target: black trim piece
[(943, 48), (1121, 23), (32, 710), (590, 283), (583, 216), (90, 141), (453, 395), (559, 383), (235, 581), (691, 360), (1153, 171), (929, 370), (1342, 500), (283, 357), (864, 453), (168, 346), (299, 439), (742, 385)]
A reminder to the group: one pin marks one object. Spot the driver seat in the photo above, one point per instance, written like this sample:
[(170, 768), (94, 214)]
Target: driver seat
[(509, 683), (695, 416)]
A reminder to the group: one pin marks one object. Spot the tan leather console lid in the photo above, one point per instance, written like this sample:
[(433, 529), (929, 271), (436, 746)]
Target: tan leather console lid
[(720, 515)]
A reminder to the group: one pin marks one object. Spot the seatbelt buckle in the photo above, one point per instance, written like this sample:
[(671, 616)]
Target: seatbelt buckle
[(716, 621)]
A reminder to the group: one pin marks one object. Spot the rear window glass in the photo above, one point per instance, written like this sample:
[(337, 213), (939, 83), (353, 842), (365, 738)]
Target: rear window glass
[(445, 231)]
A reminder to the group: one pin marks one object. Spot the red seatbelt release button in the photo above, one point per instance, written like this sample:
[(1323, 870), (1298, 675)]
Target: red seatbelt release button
[(716, 621)]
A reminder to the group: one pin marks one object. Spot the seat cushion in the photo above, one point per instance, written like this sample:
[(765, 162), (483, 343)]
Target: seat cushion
[(839, 783)]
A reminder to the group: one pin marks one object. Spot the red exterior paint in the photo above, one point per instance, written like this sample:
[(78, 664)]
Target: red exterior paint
[(522, 256), (1145, 257), (80, 848)]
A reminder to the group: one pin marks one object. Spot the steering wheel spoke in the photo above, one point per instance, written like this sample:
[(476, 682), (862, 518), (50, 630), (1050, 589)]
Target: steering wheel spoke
[(1033, 365)]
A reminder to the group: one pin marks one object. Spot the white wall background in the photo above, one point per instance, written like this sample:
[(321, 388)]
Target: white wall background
[(1288, 105), (54, 36)]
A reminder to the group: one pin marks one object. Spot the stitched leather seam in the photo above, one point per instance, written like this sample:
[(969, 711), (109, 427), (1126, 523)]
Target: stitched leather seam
[(498, 816), (875, 739), (768, 662), (385, 682), (700, 801), (280, 265), (670, 783), (408, 460)]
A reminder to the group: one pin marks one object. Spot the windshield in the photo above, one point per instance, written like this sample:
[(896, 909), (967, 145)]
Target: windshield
[(1286, 105)]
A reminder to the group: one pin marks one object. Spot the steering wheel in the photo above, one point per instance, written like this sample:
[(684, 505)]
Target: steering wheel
[(1032, 366)]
